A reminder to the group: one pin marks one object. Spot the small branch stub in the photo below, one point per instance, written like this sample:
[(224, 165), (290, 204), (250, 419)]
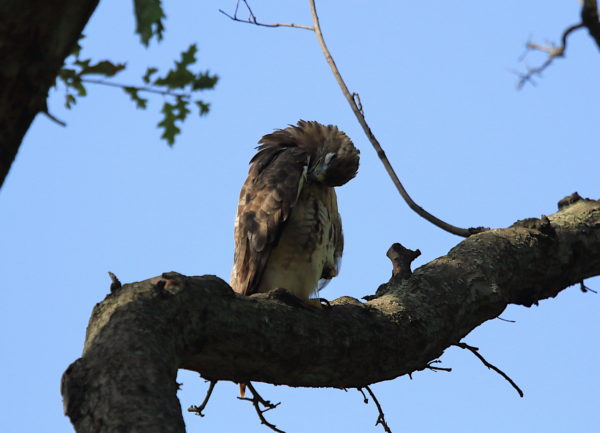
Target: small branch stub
[(401, 258), (116, 284)]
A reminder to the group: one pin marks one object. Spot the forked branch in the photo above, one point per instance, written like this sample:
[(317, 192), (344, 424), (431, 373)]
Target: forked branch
[(257, 400), (589, 20)]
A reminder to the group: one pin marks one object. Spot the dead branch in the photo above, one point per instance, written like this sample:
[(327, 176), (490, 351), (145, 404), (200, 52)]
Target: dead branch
[(252, 19), (381, 416), (432, 367), (198, 409), (553, 52), (358, 112), (356, 106), (257, 400), (475, 351), (585, 288), (589, 20)]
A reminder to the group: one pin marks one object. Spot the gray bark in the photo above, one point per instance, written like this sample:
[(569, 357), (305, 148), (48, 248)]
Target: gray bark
[(140, 334), (35, 39)]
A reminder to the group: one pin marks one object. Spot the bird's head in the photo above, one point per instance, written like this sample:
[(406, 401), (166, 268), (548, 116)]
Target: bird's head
[(333, 157)]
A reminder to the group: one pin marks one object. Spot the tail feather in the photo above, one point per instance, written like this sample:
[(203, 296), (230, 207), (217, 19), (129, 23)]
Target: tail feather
[(242, 390)]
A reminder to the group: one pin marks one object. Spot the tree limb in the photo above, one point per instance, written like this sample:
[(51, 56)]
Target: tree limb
[(356, 106), (36, 38), (140, 335)]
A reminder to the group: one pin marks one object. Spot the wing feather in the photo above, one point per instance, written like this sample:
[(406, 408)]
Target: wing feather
[(269, 194)]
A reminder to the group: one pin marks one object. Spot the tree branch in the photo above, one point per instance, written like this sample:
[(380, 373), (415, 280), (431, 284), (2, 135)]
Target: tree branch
[(589, 20), (475, 351), (252, 19), (140, 335), (357, 109), (36, 38)]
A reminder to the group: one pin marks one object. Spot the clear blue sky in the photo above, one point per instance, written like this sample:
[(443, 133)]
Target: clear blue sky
[(105, 193)]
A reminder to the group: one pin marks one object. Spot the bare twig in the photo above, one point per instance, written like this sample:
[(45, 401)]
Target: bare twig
[(252, 19), (432, 367), (356, 106), (506, 320), (138, 88), (585, 288), (375, 143), (198, 409), (257, 401), (553, 52), (475, 352), (365, 399), (381, 416), (53, 118)]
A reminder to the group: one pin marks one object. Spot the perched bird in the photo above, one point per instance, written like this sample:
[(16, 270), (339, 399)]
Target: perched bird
[(288, 232)]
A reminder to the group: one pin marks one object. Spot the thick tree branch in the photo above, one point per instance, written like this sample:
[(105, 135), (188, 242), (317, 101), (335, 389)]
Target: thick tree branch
[(36, 37), (140, 335)]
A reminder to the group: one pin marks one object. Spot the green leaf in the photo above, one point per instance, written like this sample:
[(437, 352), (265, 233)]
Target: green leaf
[(104, 67), (180, 76), (204, 81), (170, 130), (133, 94), (203, 107), (149, 16), (148, 75), (78, 85), (69, 100)]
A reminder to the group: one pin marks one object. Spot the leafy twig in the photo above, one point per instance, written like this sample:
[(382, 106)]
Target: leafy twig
[(475, 351), (198, 409)]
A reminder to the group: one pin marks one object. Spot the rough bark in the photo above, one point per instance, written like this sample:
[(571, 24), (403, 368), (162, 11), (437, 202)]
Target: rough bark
[(143, 332), (35, 39)]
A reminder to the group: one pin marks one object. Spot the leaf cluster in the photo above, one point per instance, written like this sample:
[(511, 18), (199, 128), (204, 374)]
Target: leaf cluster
[(178, 86)]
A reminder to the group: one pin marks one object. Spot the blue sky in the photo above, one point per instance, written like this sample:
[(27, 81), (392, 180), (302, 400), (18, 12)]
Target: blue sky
[(105, 193)]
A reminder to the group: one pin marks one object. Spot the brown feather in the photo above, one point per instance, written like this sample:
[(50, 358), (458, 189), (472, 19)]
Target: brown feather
[(288, 230)]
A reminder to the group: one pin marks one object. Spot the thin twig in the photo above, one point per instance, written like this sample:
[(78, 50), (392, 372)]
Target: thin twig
[(139, 89), (475, 351), (375, 143), (252, 19), (381, 417), (434, 368), (365, 399), (256, 401), (553, 52), (585, 288), (506, 320), (198, 409), (54, 118), (356, 105)]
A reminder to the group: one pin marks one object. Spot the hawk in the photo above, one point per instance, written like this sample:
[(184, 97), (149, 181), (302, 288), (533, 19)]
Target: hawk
[(288, 232)]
